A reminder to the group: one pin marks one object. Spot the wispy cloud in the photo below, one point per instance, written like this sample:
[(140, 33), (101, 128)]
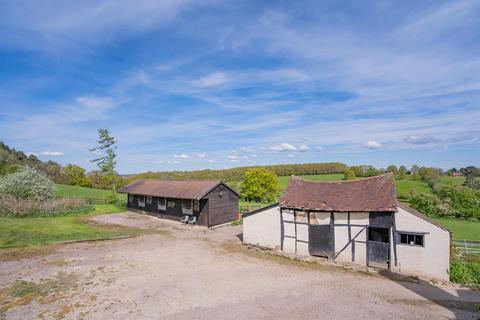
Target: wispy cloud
[(53, 153), (373, 145)]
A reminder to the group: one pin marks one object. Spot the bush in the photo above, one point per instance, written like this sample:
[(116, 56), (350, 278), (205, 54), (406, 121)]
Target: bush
[(349, 174), (465, 272), (112, 198), (27, 183), (14, 207), (464, 202), (428, 203)]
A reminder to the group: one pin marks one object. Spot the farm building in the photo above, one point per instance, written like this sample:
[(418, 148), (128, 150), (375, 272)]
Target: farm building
[(358, 221), (209, 203)]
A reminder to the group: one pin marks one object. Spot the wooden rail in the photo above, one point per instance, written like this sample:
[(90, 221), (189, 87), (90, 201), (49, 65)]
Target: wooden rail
[(470, 247)]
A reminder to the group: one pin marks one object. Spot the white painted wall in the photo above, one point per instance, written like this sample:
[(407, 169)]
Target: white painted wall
[(433, 259), (263, 228), (342, 239)]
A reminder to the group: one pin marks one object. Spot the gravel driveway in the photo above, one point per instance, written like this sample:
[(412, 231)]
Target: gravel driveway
[(197, 273)]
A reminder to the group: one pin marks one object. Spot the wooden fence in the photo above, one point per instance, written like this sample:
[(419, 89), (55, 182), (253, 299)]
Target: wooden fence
[(470, 247), (93, 201)]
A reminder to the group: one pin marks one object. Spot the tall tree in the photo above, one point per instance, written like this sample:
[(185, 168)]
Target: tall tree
[(106, 146), (393, 169), (259, 185), (402, 172)]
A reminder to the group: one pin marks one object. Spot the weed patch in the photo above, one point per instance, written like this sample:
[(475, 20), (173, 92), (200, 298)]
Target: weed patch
[(48, 290)]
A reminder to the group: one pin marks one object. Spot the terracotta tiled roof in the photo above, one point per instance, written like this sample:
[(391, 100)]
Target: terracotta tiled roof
[(171, 189), (369, 194)]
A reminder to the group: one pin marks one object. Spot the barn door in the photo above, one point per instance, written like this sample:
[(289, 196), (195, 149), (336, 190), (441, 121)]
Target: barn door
[(320, 240), (378, 247)]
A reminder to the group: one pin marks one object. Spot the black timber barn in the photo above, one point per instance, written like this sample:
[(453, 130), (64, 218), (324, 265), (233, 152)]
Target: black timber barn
[(211, 202)]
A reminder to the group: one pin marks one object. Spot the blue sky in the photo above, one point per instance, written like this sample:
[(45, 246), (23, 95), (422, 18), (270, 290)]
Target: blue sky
[(215, 84)]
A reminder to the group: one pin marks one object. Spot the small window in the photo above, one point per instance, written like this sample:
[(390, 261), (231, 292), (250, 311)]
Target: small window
[(130, 198), (149, 200), (196, 205), (161, 204), (411, 239), (171, 204), (187, 204), (141, 201)]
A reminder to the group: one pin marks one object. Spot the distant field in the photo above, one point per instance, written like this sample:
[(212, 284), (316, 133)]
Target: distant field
[(461, 229), (283, 181), (67, 191)]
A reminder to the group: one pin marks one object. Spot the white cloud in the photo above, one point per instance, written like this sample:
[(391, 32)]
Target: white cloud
[(28, 154), (53, 153), (373, 145), (287, 147), (212, 80), (283, 147), (182, 156)]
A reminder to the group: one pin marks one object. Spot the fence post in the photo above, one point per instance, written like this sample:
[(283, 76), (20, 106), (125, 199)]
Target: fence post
[(466, 247)]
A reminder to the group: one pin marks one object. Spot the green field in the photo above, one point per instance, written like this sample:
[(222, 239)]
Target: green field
[(461, 229), (20, 232), (67, 191)]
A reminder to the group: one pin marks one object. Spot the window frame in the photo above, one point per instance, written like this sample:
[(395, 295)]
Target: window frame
[(131, 198), (189, 209), (196, 205), (411, 234), (162, 206), (149, 200), (169, 201), (141, 203)]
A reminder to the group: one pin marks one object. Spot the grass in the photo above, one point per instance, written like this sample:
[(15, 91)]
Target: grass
[(461, 228), (283, 181), (19, 232), (67, 191)]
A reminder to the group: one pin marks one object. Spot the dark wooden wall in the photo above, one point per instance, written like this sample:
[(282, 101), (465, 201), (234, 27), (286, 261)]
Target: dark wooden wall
[(219, 206), (222, 205), (153, 207)]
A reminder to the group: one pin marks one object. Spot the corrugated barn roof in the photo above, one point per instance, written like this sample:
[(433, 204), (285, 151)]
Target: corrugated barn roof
[(366, 195), (170, 189)]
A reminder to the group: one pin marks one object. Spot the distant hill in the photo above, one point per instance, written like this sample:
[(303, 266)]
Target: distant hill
[(236, 174), (12, 159)]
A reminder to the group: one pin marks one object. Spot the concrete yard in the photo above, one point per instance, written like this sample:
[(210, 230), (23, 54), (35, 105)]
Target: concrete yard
[(179, 272)]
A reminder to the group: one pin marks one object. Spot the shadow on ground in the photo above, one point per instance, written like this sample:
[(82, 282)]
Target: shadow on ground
[(461, 302)]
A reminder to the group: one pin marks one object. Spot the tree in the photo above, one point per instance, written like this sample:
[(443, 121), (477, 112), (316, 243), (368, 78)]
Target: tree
[(349, 174), (402, 173), (28, 183), (470, 174), (259, 185), (76, 175), (106, 161), (431, 176), (414, 171), (393, 169)]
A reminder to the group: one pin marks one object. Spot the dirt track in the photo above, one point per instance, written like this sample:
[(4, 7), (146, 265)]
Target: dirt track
[(203, 274)]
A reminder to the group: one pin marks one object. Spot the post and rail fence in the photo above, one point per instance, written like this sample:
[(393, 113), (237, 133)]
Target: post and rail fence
[(93, 201), (467, 247)]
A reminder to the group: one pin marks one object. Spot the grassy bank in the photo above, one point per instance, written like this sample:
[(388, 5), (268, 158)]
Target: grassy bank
[(19, 232), (461, 228), (67, 191)]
